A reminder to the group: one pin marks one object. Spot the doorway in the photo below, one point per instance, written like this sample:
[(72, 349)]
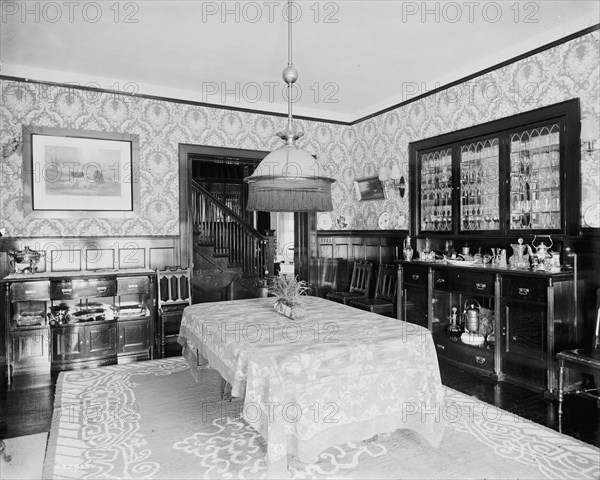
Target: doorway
[(283, 224)]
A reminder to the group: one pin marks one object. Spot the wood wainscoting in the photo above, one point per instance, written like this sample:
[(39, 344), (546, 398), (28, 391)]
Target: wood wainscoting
[(74, 254), (337, 251)]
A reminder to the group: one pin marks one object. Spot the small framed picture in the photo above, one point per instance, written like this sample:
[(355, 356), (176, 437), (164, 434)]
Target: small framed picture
[(369, 188)]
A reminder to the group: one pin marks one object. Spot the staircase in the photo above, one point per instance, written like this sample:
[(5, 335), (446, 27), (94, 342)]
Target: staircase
[(230, 255)]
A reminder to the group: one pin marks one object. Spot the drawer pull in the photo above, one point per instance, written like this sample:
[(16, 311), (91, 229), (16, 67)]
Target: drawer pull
[(441, 347), (481, 286), (134, 285), (440, 280), (480, 360), (101, 289), (29, 292), (523, 291), (66, 290)]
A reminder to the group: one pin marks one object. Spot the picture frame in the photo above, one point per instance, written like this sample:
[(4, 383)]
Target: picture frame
[(70, 173), (369, 188)]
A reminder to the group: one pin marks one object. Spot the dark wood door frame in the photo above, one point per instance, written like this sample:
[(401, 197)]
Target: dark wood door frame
[(305, 224), (185, 188)]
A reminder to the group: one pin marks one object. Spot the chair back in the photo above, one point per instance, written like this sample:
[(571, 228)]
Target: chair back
[(385, 289), (174, 287), (596, 339), (361, 277)]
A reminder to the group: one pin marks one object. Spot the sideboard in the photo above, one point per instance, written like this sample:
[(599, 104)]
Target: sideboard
[(531, 315), (71, 320)]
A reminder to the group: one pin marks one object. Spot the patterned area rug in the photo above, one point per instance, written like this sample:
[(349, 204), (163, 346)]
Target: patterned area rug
[(153, 420)]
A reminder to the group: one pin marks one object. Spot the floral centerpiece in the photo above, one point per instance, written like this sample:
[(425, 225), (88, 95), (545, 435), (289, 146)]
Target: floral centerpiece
[(289, 291)]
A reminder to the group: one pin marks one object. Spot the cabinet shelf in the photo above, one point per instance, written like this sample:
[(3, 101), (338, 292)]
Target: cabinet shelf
[(507, 177)]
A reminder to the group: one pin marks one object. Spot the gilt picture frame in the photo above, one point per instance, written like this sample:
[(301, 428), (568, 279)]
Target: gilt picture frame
[(369, 188), (68, 172)]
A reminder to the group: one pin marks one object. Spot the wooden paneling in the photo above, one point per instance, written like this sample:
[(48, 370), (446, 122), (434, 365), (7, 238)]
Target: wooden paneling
[(338, 250), (96, 258), (161, 256)]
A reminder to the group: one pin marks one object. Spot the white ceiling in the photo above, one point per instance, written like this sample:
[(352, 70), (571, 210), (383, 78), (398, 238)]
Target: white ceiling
[(354, 57)]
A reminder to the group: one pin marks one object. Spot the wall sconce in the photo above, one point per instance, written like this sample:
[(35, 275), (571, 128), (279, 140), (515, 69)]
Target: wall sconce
[(589, 135), (392, 179)]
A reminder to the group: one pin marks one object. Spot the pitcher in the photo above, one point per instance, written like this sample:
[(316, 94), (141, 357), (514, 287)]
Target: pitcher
[(520, 257)]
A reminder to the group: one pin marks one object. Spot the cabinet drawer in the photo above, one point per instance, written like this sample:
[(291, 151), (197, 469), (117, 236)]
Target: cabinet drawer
[(481, 358), (474, 283), (415, 274), (523, 288), (132, 285), (23, 291), (81, 288)]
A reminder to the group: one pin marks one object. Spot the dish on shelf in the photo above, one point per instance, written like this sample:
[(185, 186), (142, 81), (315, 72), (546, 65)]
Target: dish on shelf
[(384, 221), (324, 222), (341, 222), (461, 262), (591, 216), (399, 221), (472, 338)]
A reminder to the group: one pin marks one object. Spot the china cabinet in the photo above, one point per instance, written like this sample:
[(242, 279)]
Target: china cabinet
[(70, 320), (506, 177), (523, 318)]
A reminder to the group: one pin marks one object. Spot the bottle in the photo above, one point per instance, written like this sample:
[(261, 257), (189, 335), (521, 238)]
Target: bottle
[(408, 251), (502, 262)]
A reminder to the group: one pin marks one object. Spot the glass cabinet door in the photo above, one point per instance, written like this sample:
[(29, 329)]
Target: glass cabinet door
[(535, 189), (436, 191), (479, 186)]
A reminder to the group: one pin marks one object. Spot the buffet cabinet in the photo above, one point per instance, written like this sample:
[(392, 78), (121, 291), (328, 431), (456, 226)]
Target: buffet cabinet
[(522, 318), (71, 320)]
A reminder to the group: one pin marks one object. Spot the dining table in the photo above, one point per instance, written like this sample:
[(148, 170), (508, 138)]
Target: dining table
[(337, 375)]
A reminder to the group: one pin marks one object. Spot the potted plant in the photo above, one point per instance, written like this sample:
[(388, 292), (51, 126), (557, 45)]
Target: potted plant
[(289, 290)]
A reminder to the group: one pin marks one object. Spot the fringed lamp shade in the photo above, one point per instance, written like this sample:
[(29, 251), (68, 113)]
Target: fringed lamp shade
[(289, 180)]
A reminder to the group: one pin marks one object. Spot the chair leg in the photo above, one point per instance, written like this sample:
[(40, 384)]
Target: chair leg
[(561, 372)]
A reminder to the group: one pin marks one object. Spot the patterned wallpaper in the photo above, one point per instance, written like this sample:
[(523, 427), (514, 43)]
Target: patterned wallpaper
[(346, 152)]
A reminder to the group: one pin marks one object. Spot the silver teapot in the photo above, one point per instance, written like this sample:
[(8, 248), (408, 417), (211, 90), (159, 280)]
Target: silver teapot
[(542, 258), (26, 260)]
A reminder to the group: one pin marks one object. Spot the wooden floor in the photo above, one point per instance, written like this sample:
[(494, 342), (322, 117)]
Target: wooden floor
[(26, 406)]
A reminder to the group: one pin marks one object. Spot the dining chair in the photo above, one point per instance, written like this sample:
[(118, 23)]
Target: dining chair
[(359, 284), (174, 294), (585, 360), (385, 293)]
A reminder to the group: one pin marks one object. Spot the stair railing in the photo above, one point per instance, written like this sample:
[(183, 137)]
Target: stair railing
[(215, 223)]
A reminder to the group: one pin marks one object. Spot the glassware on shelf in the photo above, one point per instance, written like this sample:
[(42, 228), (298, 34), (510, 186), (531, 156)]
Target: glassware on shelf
[(479, 185), (436, 190), (534, 177)]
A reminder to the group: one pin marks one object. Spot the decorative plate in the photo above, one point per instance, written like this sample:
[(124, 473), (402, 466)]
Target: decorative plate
[(591, 216), (371, 221), (384, 221), (399, 221), (324, 222), (460, 263), (341, 222)]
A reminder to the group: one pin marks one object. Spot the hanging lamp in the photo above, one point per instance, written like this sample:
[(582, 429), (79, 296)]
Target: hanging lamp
[(289, 179)]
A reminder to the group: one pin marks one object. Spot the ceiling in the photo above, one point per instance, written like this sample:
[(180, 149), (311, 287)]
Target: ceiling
[(354, 57)]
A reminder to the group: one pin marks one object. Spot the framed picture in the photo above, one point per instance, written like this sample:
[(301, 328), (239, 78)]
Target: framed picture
[(71, 171), (369, 188)]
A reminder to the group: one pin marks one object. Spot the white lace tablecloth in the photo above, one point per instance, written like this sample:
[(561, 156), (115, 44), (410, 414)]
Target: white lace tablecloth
[(339, 375)]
